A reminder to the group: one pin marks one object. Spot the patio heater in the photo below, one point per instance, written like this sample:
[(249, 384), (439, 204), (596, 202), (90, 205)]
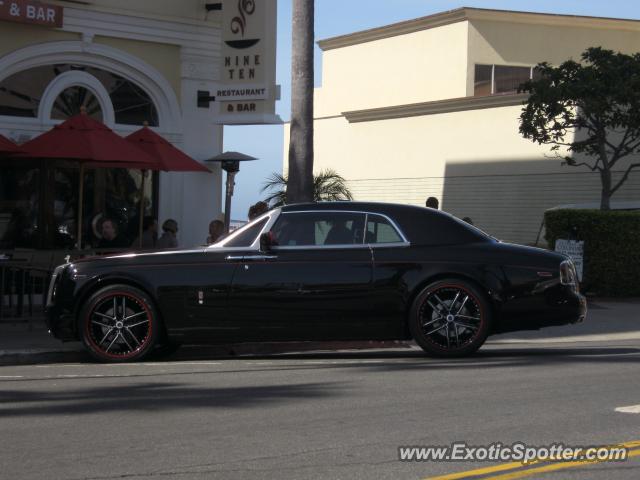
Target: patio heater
[(230, 163)]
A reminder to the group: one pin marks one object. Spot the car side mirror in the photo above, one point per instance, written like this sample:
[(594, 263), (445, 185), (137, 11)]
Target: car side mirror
[(267, 241)]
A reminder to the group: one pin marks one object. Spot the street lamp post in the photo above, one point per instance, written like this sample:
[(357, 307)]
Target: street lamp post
[(230, 163)]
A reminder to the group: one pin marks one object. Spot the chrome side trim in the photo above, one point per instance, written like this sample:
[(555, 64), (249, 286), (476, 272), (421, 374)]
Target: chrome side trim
[(275, 214), (250, 257), (389, 245)]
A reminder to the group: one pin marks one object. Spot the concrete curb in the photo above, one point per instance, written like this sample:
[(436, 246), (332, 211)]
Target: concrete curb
[(63, 355)]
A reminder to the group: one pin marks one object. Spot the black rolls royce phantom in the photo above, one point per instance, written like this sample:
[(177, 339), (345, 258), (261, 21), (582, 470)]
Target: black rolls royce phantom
[(322, 271)]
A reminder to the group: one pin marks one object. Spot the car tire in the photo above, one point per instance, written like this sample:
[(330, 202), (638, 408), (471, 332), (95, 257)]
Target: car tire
[(450, 318), (119, 323)]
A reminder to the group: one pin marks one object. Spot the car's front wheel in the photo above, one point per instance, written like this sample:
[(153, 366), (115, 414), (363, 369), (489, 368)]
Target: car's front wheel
[(450, 318), (119, 323)]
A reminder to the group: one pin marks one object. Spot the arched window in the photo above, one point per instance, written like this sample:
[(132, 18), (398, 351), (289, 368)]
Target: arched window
[(71, 101), (21, 93)]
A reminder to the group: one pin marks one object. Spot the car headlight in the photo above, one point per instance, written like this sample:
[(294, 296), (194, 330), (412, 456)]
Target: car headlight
[(568, 274)]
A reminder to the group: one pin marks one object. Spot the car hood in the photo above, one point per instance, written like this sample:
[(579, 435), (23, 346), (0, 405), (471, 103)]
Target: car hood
[(143, 258)]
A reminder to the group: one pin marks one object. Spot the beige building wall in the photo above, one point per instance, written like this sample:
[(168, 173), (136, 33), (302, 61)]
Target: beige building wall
[(416, 67), (475, 162), (396, 136), (525, 44), (160, 9), (14, 36), (163, 57)]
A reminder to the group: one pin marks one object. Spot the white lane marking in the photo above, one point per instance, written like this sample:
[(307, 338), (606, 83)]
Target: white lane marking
[(169, 364), (124, 365), (605, 337), (630, 409), (11, 376)]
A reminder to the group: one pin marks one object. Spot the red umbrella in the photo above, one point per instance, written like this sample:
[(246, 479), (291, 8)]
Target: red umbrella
[(88, 142), (168, 157), (7, 146)]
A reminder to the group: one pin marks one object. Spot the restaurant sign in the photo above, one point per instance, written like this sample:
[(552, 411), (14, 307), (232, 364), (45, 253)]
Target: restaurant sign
[(32, 12), (247, 92)]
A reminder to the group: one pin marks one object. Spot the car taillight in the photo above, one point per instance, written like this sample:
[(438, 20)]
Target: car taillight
[(568, 274)]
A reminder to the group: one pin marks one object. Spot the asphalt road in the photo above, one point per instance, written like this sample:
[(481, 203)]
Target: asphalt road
[(326, 415)]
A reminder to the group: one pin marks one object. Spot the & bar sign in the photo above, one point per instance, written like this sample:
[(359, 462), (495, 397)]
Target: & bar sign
[(31, 12)]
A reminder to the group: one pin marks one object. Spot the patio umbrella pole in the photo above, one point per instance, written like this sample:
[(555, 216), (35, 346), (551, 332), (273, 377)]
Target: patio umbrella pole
[(80, 202), (144, 172)]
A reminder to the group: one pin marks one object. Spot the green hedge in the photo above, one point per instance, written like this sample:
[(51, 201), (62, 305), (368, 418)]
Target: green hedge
[(611, 247)]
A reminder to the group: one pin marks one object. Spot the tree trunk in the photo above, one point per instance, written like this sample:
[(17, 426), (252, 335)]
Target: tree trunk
[(605, 199), (300, 183)]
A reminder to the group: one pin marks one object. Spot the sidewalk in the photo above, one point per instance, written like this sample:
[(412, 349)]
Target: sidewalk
[(19, 343)]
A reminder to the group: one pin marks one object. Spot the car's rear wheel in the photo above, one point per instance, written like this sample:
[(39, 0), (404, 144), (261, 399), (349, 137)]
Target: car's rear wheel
[(450, 318), (119, 323)]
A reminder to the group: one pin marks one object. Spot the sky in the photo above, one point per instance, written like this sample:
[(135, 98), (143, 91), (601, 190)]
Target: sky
[(339, 17)]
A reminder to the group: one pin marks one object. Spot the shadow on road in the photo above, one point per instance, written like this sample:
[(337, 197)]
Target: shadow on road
[(151, 389), (152, 397)]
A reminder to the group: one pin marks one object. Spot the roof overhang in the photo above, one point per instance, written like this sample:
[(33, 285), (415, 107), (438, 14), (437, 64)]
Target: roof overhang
[(470, 14)]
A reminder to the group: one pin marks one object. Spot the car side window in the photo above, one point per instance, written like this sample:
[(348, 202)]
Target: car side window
[(319, 229), (247, 237), (380, 230)]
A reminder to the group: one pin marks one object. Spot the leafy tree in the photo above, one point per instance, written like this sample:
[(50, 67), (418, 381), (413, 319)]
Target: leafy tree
[(328, 186), (590, 108)]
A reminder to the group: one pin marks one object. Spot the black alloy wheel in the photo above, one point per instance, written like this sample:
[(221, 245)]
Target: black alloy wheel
[(119, 323), (450, 318)]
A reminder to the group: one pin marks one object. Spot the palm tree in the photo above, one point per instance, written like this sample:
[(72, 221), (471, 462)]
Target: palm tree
[(328, 186), (301, 127)]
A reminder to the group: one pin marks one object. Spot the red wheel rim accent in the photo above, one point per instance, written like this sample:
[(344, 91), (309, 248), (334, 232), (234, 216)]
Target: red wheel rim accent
[(133, 350), (453, 322)]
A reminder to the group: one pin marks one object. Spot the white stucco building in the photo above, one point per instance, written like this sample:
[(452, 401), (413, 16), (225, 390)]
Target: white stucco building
[(428, 107)]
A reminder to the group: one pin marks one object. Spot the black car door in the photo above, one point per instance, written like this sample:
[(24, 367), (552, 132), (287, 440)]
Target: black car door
[(208, 317), (393, 261), (316, 284)]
